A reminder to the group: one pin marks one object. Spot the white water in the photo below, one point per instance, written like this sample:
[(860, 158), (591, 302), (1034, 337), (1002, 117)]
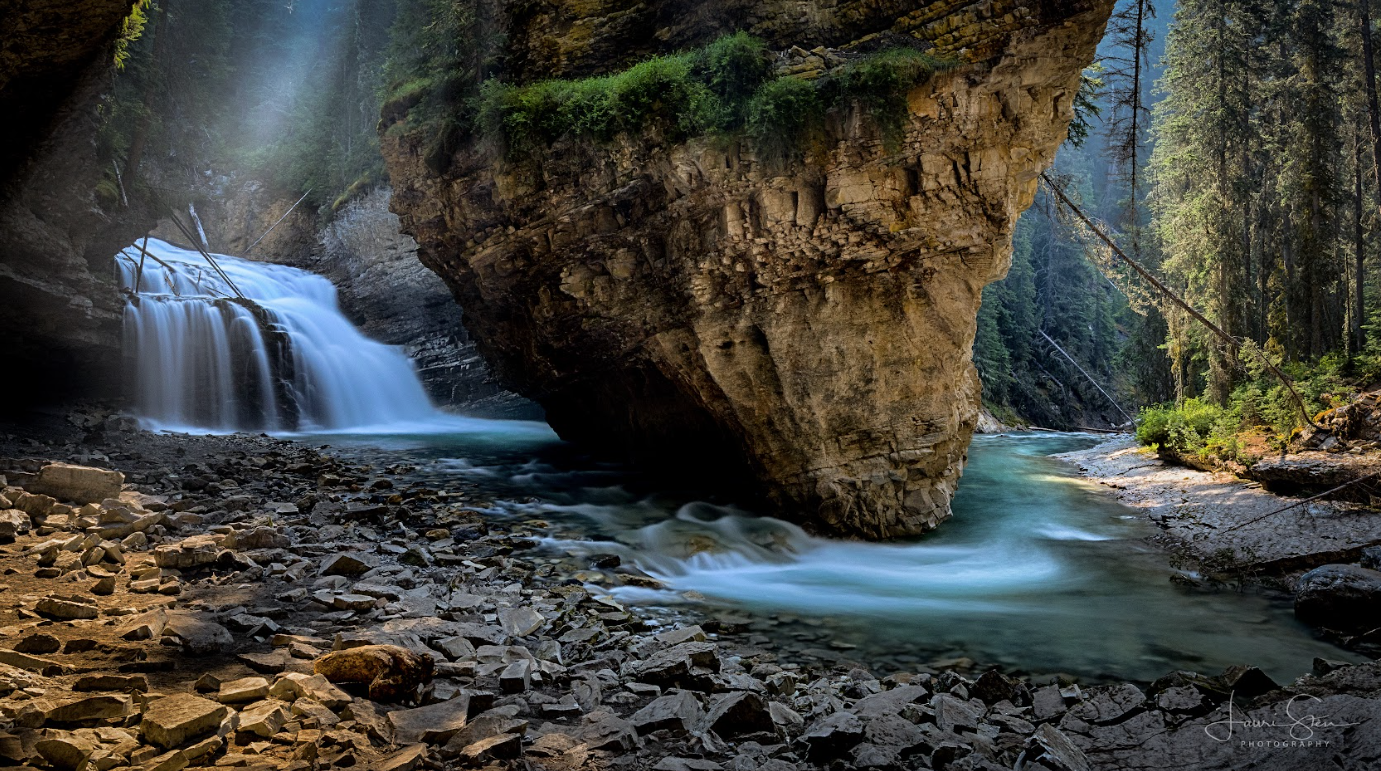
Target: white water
[(201, 360)]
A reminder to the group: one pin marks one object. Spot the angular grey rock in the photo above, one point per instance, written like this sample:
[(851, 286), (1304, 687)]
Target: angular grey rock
[(485, 726), (606, 731), (993, 686), (678, 712), (434, 723), (786, 718), (520, 622), (1047, 703), (686, 764), (682, 666), (1343, 597), (738, 714), (953, 714), (833, 735), (889, 702), (1109, 704), (344, 564), (1051, 746), (897, 735), (516, 677)]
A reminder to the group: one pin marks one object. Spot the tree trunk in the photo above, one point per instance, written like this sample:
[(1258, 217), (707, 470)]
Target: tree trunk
[(1359, 306)]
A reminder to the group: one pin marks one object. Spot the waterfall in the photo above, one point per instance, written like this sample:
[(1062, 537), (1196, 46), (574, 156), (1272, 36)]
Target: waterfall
[(281, 358)]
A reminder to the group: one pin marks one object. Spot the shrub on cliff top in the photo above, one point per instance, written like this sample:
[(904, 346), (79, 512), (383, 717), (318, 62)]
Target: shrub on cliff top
[(728, 86), (879, 83)]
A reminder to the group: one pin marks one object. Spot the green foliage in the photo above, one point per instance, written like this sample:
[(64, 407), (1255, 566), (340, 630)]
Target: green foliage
[(781, 115), (733, 66), (130, 31), (727, 87), (1186, 428), (1087, 107), (879, 83), (1261, 404)]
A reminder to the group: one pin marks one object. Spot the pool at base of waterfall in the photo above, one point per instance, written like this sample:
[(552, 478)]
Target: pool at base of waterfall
[(1039, 572)]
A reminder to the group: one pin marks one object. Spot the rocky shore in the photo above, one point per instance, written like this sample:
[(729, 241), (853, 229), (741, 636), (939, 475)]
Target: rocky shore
[(180, 602)]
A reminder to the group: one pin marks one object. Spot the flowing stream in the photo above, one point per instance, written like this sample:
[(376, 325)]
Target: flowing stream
[(1038, 571)]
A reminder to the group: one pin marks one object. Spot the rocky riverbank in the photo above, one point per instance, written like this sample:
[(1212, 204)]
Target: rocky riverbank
[(249, 602), (1215, 517)]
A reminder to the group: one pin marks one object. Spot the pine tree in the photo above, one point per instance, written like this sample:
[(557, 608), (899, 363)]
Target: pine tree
[(1126, 75)]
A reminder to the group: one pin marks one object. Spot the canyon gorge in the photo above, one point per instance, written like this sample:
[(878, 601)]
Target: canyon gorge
[(690, 303)]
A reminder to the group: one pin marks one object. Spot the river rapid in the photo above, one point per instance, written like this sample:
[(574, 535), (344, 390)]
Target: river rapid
[(1039, 571)]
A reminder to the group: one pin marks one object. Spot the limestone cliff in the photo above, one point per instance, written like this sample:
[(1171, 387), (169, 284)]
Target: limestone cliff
[(811, 326)]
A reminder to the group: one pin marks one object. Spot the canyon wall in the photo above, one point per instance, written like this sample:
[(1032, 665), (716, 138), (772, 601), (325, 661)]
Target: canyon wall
[(59, 303), (807, 328)]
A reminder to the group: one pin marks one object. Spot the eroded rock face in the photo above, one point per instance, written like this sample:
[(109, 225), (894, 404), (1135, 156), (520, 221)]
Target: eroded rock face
[(812, 325)]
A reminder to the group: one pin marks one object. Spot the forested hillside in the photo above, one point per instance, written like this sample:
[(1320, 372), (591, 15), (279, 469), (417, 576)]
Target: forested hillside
[(1235, 158)]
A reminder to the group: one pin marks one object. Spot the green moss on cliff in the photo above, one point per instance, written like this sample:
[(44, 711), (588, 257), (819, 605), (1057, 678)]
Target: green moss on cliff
[(728, 87)]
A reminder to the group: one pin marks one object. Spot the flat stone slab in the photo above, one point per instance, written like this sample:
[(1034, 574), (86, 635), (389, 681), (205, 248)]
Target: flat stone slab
[(433, 724), (175, 720), (243, 690), (81, 484)]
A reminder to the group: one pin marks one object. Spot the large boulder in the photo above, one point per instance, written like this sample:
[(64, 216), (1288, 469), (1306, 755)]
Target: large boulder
[(79, 484), (1344, 597)]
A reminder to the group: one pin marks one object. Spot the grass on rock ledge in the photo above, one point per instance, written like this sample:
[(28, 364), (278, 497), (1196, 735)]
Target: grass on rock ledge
[(728, 88)]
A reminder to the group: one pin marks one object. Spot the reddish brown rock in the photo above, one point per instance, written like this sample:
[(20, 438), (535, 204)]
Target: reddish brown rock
[(392, 673)]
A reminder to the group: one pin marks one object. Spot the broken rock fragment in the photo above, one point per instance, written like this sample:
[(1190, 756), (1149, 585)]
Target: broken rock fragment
[(175, 720)]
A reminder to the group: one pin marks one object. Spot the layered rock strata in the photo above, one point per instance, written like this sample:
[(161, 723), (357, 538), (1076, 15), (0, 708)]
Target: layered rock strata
[(811, 325)]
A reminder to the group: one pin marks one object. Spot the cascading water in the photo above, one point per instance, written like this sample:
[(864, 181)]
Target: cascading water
[(280, 358)]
